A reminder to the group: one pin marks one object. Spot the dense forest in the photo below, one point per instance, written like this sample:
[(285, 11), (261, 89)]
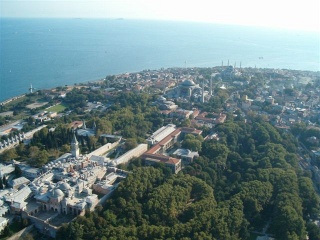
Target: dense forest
[(247, 180)]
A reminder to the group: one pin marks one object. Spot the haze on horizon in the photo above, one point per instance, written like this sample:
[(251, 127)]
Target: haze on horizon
[(302, 15)]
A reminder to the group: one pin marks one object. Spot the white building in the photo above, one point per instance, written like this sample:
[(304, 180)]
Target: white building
[(6, 170), (161, 133), (3, 223), (133, 153)]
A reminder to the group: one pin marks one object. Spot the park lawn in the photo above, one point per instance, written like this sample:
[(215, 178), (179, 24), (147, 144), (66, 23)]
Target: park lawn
[(57, 108)]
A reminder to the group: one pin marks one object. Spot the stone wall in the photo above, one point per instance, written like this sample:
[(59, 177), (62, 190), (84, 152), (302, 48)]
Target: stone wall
[(44, 227)]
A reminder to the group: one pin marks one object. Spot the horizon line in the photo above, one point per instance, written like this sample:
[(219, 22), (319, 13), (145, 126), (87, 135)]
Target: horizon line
[(167, 20)]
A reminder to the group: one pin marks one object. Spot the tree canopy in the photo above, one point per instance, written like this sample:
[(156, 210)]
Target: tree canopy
[(244, 181)]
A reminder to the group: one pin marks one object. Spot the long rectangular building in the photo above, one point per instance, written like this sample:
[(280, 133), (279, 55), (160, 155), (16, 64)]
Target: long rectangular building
[(154, 154), (161, 133)]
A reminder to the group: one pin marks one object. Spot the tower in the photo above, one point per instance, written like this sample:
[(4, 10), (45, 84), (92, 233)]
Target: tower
[(31, 88), (211, 85), (75, 151), (202, 96)]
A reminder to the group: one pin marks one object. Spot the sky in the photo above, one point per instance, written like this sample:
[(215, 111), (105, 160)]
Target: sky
[(291, 14)]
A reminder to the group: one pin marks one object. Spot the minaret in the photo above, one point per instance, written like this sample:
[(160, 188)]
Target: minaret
[(202, 97), (75, 147), (211, 86)]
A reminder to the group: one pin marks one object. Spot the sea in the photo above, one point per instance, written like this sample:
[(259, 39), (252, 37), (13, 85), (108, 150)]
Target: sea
[(56, 52)]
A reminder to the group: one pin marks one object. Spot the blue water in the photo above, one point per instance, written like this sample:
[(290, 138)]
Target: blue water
[(55, 52)]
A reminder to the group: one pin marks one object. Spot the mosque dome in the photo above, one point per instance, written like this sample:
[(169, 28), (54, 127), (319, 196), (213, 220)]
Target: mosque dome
[(64, 186), (188, 83), (56, 193)]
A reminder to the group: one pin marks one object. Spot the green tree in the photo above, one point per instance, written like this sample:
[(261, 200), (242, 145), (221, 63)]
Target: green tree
[(4, 181), (42, 158), (313, 231), (17, 171), (192, 144), (255, 196), (65, 148), (21, 149), (37, 157), (214, 150), (131, 143), (288, 223), (9, 155), (310, 199), (6, 232)]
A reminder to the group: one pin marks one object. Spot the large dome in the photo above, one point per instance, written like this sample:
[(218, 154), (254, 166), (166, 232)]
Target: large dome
[(64, 186), (56, 193), (188, 83)]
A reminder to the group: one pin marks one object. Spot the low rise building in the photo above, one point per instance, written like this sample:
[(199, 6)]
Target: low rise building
[(173, 163), (157, 151), (6, 170), (17, 182), (29, 172), (133, 153), (185, 155), (160, 134), (3, 223)]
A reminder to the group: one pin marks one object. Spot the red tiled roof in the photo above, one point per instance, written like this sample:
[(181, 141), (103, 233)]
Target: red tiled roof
[(151, 153), (173, 161), (196, 113), (76, 124), (154, 149), (161, 158)]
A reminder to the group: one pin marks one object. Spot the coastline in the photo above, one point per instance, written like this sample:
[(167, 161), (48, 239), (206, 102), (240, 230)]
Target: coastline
[(10, 99), (60, 51)]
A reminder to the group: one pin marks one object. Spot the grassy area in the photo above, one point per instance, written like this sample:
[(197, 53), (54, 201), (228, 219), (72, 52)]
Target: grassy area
[(29, 98), (16, 101), (57, 108)]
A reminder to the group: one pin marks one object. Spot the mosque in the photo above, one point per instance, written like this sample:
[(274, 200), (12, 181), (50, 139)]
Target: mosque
[(188, 89)]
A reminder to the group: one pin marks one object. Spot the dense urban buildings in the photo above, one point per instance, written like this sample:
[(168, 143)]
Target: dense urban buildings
[(172, 118)]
